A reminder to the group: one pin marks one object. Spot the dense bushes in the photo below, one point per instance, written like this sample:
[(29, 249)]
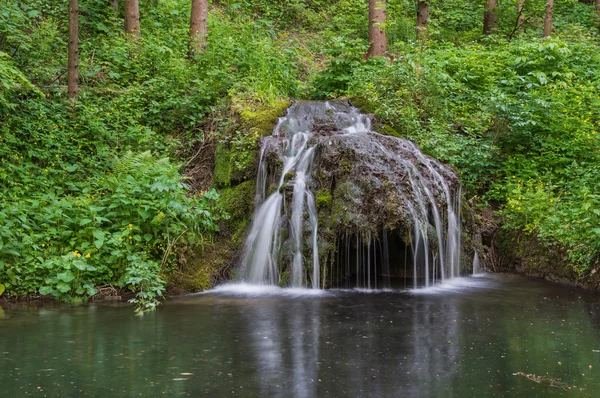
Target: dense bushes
[(118, 230)]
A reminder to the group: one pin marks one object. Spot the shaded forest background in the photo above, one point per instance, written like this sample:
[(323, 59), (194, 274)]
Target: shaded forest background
[(109, 192)]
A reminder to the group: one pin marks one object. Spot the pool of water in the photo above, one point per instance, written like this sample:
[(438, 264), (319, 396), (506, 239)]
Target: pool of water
[(494, 335)]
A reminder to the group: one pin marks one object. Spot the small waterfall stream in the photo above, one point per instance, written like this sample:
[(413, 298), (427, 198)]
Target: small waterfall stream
[(291, 220)]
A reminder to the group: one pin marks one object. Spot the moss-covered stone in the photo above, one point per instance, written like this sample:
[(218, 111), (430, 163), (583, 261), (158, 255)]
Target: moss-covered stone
[(289, 176), (324, 199), (238, 202), (201, 268), (362, 104), (389, 130), (262, 118)]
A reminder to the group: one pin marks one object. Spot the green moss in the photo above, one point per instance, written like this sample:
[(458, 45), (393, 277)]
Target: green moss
[(340, 214), (289, 176), (202, 268), (238, 201), (284, 279), (263, 120), (222, 173), (388, 130), (362, 104), (346, 165), (324, 199)]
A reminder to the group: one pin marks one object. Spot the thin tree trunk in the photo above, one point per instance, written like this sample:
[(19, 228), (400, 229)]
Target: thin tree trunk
[(598, 13), (73, 63), (548, 18), (132, 17), (377, 37), (489, 17), (422, 20), (115, 5), (521, 11), (198, 26)]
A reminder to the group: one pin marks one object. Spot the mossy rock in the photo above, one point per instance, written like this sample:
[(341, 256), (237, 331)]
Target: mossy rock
[(263, 118), (324, 199), (388, 130), (238, 202), (362, 104), (236, 159), (202, 268)]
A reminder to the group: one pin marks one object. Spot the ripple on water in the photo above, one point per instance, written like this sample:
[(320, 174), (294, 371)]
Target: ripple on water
[(249, 290), (455, 285)]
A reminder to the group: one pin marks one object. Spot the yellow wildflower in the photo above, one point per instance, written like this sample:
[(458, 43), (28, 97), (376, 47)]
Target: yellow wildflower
[(88, 255)]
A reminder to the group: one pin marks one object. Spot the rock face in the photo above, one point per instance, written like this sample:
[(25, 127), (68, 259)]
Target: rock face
[(340, 205)]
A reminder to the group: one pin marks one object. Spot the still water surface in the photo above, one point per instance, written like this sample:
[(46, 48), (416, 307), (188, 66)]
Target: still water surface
[(487, 336)]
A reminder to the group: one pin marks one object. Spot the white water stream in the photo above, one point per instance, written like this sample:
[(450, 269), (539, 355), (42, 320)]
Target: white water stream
[(434, 208)]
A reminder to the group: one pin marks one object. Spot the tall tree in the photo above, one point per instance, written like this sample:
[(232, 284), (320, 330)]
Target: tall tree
[(422, 20), (489, 17), (520, 18), (521, 11), (377, 37), (132, 17), (73, 63), (598, 13), (198, 26), (115, 5), (548, 18)]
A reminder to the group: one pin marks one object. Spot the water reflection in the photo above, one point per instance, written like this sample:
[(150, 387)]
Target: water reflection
[(470, 341)]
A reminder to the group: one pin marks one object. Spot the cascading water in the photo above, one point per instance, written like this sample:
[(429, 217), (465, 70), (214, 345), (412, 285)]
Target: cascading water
[(476, 267), (283, 244)]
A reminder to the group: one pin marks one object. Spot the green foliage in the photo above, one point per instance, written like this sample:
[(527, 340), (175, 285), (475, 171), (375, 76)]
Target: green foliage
[(118, 224), (143, 277), (519, 120), (346, 55), (324, 199), (69, 277), (12, 82)]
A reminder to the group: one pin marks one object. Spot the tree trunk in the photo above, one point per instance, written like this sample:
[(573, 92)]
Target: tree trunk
[(521, 11), (377, 37), (598, 13), (132, 17), (115, 5), (198, 26), (422, 20), (489, 17), (548, 19), (73, 63)]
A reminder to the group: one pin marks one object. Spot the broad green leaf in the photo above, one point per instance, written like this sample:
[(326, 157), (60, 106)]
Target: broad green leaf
[(63, 287), (45, 290), (66, 276), (99, 236)]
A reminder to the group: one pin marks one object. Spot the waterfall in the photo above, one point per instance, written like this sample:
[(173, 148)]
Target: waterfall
[(282, 247), (476, 266)]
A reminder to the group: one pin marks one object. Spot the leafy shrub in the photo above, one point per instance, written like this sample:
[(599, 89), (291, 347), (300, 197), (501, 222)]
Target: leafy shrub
[(121, 228)]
